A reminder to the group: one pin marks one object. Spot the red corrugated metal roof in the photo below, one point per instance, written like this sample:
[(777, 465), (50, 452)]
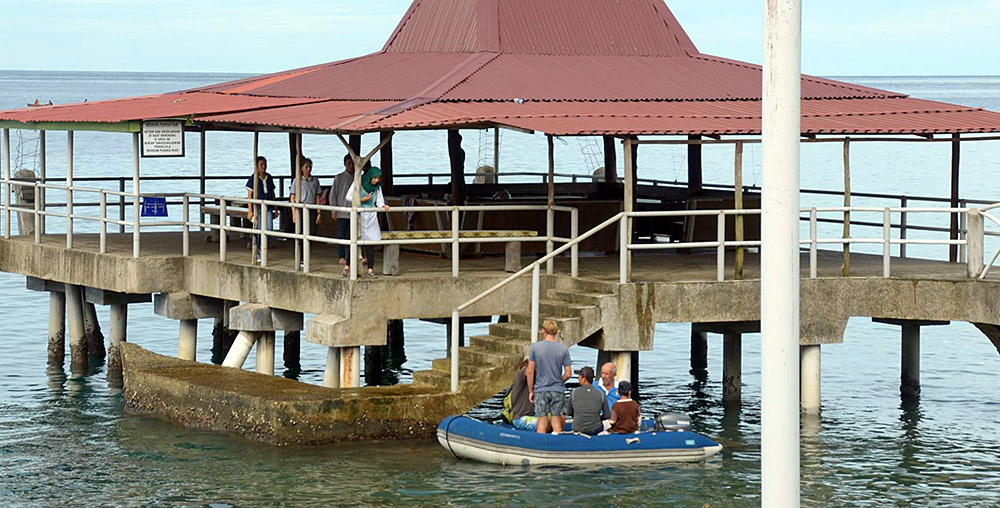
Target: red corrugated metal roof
[(171, 105), (577, 66)]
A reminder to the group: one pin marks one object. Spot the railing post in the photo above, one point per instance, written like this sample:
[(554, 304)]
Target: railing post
[(574, 251), (223, 236), (550, 229), (121, 205), (812, 243), (455, 341), (976, 240), (720, 256), (536, 290), (962, 232), (455, 245), (306, 245), (38, 216), (354, 242), (42, 166), (6, 176), (136, 224), (69, 190), (186, 243), (902, 226), (623, 262), (104, 223), (263, 232), (886, 241)]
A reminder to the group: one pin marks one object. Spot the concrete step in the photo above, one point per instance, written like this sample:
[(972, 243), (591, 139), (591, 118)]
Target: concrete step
[(582, 298), (433, 378), (501, 344), (464, 368), (585, 285), (559, 308), (482, 357), (512, 330)]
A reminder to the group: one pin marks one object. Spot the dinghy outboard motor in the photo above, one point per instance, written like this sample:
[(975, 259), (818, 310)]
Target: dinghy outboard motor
[(672, 422)]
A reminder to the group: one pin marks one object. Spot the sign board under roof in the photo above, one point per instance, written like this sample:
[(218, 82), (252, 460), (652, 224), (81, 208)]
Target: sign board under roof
[(163, 138)]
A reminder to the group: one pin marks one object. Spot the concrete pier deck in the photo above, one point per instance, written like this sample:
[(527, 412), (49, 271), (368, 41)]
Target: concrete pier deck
[(593, 309)]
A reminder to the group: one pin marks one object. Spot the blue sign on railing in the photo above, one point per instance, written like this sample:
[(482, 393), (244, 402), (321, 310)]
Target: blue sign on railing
[(154, 207)]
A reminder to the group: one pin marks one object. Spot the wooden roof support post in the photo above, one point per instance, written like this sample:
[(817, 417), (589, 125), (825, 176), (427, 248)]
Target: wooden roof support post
[(385, 161), (496, 152), (203, 166), (304, 215), (956, 145), (845, 267), (610, 161), (738, 201), (355, 140), (694, 166), (628, 205), (549, 213), (456, 157)]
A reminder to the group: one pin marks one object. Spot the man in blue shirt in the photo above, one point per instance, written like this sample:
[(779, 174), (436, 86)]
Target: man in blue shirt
[(608, 384), (548, 369)]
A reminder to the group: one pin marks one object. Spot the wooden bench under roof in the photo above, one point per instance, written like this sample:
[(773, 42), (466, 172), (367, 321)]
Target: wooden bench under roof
[(512, 238)]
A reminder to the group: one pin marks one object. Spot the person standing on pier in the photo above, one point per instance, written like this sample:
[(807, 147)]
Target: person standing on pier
[(260, 186), (338, 197), (608, 384), (548, 369), (310, 193), (371, 198)]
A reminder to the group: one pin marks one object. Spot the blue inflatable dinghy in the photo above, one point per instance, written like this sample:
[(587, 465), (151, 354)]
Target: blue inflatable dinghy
[(500, 443)]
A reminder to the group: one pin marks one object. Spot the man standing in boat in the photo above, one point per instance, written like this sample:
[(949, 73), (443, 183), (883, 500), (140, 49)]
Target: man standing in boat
[(548, 369)]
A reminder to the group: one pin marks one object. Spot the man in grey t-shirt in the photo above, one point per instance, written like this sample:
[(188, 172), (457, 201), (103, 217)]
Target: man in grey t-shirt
[(587, 405), (310, 191), (548, 368)]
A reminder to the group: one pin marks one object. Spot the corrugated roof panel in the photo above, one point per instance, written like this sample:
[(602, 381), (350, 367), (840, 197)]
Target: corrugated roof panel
[(590, 27), (171, 105), (329, 115), (436, 26)]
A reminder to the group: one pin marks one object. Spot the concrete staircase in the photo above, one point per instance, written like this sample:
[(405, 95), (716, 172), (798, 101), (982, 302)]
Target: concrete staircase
[(575, 305)]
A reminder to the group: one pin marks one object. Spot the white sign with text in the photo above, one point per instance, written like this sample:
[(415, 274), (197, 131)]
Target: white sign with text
[(163, 138)]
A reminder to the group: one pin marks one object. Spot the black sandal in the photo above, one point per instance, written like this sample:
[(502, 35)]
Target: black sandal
[(346, 272)]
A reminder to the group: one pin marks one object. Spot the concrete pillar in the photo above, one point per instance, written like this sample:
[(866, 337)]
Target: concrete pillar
[(331, 376), (187, 343), (373, 365), (350, 367), (222, 335), (241, 349), (119, 330), (909, 386), (57, 327), (291, 352), (732, 367), (77, 340), (623, 363), (265, 353), (809, 375), (92, 331), (699, 351)]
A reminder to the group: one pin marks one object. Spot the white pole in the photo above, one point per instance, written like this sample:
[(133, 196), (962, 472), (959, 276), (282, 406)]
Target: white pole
[(186, 230), (306, 246), (574, 232), (331, 376), (187, 344), (456, 325), (887, 242), (42, 175), (303, 214), (69, 193), (104, 225), (536, 288), (240, 350), (6, 177), (265, 354), (135, 195), (623, 238), (812, 244), (455, 246), (781, 128), (720, 254), (222, 230), (810, 378)]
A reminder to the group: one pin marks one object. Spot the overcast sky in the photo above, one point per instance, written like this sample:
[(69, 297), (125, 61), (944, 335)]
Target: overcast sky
[(843, 37)]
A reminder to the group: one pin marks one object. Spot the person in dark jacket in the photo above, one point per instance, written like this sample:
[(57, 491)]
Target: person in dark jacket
[(587, 405)]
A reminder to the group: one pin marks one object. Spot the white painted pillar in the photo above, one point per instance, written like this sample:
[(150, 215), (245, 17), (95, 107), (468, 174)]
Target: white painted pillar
[(732, 367), (810, 372), (57, 328), (910, 361), (781, 125), (135, 195), (7, 188), (187, 343), (42, 192), (77, 339), (265, 353), (241, 349), (331, 376), (69, 193), (117, 335), (350, 367), (975, 239), (623, 363)]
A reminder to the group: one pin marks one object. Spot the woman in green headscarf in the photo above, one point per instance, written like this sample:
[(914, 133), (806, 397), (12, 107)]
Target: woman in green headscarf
[(371, 197)]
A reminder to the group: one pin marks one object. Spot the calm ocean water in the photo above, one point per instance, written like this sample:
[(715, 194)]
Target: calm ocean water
[(66, 441)]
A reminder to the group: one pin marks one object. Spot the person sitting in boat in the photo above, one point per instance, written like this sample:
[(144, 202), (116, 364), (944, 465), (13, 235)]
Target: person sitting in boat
[(624, 413), (587, 405), (608, 384), (548, 369), (521, 409)]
